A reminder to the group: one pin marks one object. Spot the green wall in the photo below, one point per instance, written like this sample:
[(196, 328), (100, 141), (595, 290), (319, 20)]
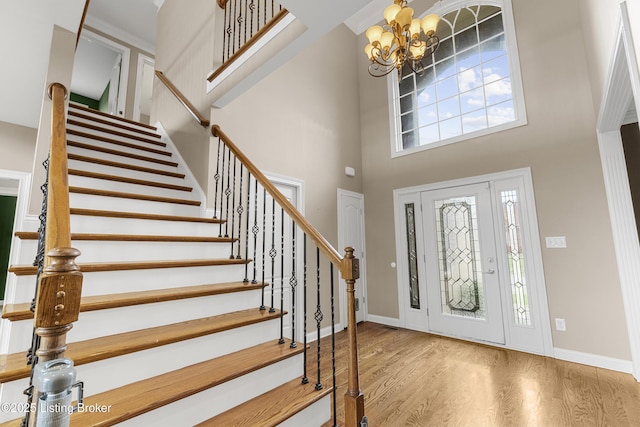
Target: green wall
[(7, 214), (91, 103)]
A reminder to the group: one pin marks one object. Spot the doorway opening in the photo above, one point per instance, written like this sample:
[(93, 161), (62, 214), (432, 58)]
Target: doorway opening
[(100, 74)]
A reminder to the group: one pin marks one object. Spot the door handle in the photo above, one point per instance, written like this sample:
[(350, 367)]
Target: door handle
[(490, 271)]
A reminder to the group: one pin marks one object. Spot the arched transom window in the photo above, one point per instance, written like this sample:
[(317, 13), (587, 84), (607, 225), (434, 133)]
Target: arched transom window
[(470, 86)]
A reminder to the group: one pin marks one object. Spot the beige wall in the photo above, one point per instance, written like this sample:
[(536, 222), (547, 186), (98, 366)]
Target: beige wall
[(17, 145), (558, 144)]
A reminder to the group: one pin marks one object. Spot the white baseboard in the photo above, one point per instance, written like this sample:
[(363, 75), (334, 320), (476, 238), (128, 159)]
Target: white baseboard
[(389, 321), (324, 332), (593, 360)]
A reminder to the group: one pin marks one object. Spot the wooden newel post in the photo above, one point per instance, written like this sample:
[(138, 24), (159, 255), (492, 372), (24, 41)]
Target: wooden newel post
[(353, 398), (58, 302)]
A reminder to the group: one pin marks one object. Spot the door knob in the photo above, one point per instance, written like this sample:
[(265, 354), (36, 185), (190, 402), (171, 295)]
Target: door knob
[(490, 271)]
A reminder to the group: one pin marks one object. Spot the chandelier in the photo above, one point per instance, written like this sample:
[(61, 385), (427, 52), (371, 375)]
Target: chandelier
[(403, 40)]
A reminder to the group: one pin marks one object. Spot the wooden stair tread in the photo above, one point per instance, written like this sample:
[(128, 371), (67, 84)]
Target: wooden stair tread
[(121, 153), (16, 312), (156, 142), (146, 395), (111, 163), (271, 408), (29, 270), (118, 142), (136, 215), (106, 177), (109, 193), (33, 235), (13, 366), (117, 118), (112, 124)]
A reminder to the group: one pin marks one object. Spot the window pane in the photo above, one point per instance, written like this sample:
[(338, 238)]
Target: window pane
[(406, 104), (409, 140), (450, 128), (448, 108), (486, 11), (407, 85), (414, 291), (427, 115), (496, 69), (408, 121), (472, 100), (429, 134), (447, 88), (445, 69), (497, 92), (445, 49), (470, 79), (444, 27), (468, 59), (465, 19), (425, 79), (493, 48), (490, 27), (427, 96), (466, 39), (474, 121), (501, 113)]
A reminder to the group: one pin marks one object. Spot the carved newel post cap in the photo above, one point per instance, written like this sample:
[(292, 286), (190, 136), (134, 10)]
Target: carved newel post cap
[(62, 259)]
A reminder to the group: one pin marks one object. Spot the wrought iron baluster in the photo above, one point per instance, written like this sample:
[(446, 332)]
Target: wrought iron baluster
[(233, 206), (246, 236), (227, 192), (252, 7), (216, 177), (293, 282), (318, 315), (233, 42), (264, 240), (224, 154), (255, 231), (246, 13), (240, 210), (281, 341), (226, 45), (272, 254), (305, 378)]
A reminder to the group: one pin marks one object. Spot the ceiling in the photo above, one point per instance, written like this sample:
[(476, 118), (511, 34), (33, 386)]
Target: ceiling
[(29, 23)]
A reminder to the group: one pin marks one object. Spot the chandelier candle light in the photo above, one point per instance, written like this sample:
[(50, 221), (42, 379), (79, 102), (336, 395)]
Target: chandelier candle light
[(399, 41)]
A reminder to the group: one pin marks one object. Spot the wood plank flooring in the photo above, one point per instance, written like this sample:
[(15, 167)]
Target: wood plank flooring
[(416, 379)]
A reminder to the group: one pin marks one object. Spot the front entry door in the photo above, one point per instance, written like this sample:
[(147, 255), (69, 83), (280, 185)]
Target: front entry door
[(463, 289)]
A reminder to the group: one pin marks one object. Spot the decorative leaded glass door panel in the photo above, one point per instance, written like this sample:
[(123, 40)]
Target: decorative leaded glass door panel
[(463, 289)]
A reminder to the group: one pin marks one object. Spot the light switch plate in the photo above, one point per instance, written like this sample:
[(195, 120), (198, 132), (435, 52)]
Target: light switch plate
[(556, 242)]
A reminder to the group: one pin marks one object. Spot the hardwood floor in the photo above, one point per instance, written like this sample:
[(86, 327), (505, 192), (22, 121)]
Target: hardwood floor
[(416, 379)]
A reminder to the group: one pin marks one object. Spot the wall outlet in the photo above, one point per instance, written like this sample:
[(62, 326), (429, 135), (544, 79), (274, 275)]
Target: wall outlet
[(561, 325)]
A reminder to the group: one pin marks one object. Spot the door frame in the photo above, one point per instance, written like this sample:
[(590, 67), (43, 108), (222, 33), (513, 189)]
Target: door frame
[(418, 320), (622, 85), (124, 66), (142, 60), (362, 281)]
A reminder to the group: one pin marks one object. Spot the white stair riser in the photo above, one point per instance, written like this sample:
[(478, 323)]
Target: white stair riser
[(103, 117), (314, 415), (104, 375), (94, 324), (125, 187), (109, 225), (119, 251), (88, 201), (112, 282), (204, 405), (123, 159), (128, 137), (127, 173), (134, 147)]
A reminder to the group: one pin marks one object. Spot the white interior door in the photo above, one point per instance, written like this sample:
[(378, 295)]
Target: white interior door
[(351, 233), (463, 285)]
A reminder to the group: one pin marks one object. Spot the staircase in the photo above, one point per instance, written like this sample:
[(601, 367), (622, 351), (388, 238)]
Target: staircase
[(169, 334)]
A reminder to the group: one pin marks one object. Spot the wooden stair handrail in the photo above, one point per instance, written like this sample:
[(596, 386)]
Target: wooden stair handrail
[(183, 100), (327, 249), (349, 270)]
